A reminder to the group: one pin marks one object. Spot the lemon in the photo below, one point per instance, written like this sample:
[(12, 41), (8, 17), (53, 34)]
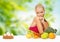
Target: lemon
[(29, 35)]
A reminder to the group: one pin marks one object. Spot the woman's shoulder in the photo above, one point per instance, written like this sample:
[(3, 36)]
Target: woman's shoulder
[(35, 18)]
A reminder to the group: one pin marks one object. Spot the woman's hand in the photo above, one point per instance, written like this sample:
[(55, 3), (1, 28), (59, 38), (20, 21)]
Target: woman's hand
[(41, 19)]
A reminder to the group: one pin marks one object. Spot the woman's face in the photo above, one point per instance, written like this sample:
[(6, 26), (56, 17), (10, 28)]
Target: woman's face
[(40, 11)]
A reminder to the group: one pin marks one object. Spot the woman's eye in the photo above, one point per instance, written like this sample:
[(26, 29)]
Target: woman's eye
[(37, 12), (41, 12)]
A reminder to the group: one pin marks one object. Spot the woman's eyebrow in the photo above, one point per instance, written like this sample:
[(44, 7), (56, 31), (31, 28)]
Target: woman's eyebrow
[(41, 11)]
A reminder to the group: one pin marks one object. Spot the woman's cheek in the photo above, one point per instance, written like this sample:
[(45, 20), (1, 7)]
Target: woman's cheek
[(38, 15)]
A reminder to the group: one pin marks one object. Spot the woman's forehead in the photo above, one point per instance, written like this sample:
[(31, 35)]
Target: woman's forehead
[(39, 9)]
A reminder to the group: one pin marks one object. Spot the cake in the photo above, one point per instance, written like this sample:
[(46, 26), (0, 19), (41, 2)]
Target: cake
[(8, 36)]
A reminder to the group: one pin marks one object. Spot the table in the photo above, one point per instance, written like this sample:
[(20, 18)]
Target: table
[(21, 38)]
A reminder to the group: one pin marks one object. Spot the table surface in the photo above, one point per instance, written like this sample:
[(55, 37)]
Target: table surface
[(24, 39)]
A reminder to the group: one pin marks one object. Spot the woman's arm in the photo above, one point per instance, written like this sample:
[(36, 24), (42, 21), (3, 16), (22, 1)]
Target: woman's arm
[(39, 25), (33, 23)]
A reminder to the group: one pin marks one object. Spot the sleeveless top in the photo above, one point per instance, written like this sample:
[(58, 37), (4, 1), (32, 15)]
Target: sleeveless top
[(35, 29)]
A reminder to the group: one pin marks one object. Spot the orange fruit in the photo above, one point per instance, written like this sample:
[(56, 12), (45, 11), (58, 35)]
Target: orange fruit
[(35, 35), (52, 35)]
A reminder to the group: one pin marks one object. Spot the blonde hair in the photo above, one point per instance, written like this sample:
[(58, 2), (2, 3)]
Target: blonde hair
[(39, 5)]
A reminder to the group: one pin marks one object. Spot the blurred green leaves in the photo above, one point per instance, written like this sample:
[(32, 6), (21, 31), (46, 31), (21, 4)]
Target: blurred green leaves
[(49, 9), (7, 8), (6, 14), (2, 30), (9, 20), (21, 2)]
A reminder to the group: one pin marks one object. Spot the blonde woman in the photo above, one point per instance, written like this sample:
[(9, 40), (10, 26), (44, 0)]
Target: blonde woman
[(39, 24)]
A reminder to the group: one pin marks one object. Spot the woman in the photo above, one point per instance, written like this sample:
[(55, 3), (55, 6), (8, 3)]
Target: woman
[(39, 24)]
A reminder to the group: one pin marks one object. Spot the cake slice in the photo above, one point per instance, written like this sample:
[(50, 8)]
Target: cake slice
[(8, 36)]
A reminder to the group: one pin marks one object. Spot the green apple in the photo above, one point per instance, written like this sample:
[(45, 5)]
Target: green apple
[(44, 35)]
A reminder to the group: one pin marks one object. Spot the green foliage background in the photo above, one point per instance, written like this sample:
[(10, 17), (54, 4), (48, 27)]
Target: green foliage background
[(8, 18)]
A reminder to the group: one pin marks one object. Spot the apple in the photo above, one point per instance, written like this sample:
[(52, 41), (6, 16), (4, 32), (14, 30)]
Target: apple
[(44, 35)]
